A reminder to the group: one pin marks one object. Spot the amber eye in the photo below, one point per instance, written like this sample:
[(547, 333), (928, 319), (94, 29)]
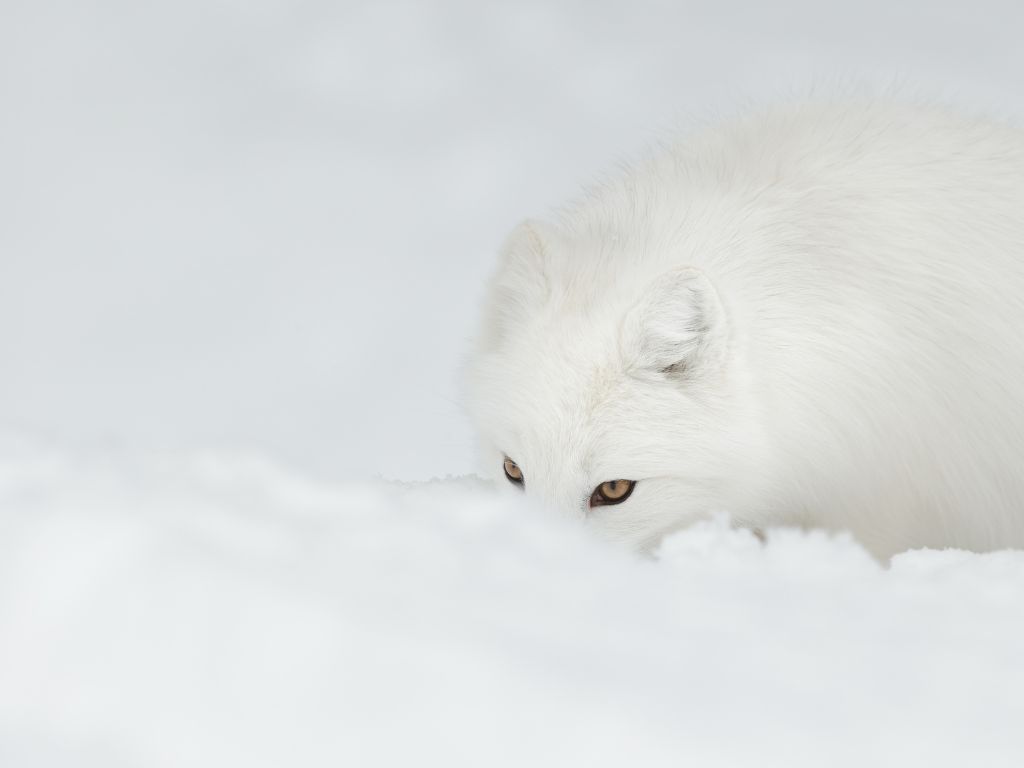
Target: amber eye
[(513, 472), (611, 492)]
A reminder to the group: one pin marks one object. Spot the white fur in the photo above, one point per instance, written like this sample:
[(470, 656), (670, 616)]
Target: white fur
[(813, 316)]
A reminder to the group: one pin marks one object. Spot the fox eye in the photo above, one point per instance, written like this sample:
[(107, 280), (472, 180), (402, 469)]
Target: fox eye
[(513, 472), (611, 492)]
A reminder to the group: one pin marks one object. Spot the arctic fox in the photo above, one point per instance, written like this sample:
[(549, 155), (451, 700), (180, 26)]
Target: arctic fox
[(812, 316)]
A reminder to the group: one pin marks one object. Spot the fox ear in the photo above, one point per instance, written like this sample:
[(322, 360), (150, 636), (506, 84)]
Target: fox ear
[(678, 328), (521, 284)]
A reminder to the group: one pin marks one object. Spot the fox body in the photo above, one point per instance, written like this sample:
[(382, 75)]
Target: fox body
[(812, 316)]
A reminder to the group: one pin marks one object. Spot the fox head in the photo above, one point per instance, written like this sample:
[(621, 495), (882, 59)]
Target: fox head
[(607, 384)]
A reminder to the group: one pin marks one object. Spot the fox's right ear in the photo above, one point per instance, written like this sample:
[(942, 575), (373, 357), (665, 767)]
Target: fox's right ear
[(521, 284)]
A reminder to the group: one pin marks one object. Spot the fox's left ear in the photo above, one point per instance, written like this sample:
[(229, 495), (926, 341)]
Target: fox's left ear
[(521, 285), (678, 327)]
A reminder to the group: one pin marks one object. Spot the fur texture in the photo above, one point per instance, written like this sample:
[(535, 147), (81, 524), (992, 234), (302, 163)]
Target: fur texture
[(810, 316)]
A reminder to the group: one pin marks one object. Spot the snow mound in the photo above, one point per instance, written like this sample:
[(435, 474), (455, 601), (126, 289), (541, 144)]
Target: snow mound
[(211, 611)]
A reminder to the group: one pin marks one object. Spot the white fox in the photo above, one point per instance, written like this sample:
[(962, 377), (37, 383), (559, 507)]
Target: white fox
[(809, 316)]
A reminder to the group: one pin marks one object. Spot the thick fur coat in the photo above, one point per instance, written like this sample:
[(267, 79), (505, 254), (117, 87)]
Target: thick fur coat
[(813, 315)]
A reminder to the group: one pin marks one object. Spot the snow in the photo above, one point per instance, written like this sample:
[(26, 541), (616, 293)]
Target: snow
[(242, 247), (224, 611)]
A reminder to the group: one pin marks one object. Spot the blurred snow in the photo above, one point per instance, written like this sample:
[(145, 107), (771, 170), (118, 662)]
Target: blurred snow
[(265, 225), (214, 612)]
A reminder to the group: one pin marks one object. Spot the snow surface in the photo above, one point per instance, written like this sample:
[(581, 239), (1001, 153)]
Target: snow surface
[(222, 611), (235, 229)]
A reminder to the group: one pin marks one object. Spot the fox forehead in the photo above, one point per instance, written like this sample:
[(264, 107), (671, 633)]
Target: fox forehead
[(572, 420), (550, 391)]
